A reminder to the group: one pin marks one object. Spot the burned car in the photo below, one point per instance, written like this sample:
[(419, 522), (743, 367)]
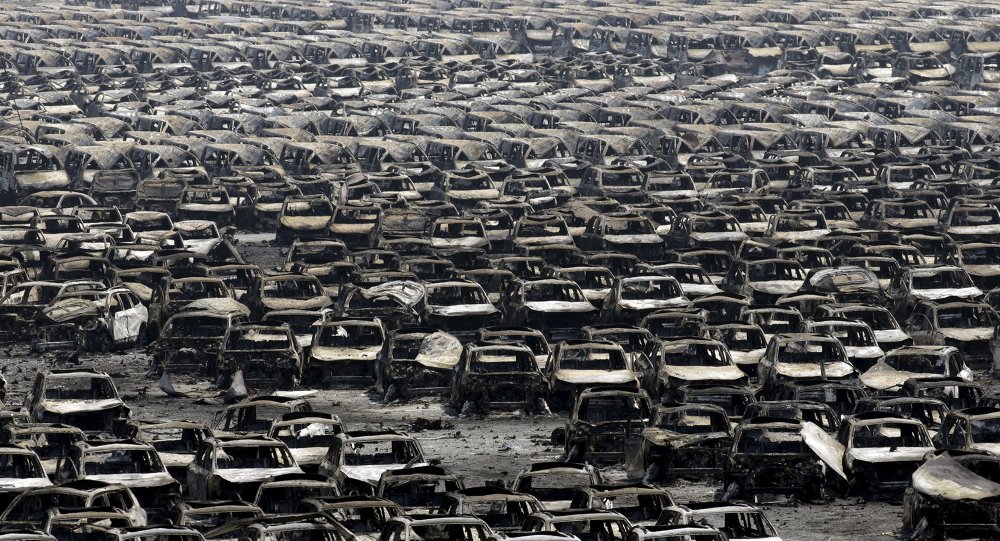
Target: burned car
[(737, 520), (555, 483), (777, 456), (579, 364), (48, 441), (286, 292), (640, 503), (496, 375), (791, 357), (668, 364), (554, 306), (20, 470), (177, 291), (857, 338), (357, 460), (419, 489), (345, 350), (687, 441), (953, 493), (304, 217), (255, 415), (266, 355), (284, 494), (881, 451), (502, 509), (30, 509), (416, 361), (935, 283), (459, 307), (84, 398), (968, 326), (308, 435), (128, 463), (915, 362), (635, 297), (191, 340), (176, 442), (605, 424), (92, 320), (234, 467)]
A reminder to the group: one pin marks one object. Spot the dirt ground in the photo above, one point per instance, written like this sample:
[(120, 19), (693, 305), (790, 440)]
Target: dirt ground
[(497, 447)]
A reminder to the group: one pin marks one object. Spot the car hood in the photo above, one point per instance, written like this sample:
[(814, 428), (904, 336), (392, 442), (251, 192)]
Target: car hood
[(306, 222), (70, 309), (982, 270), (8, 484), (650, 238), (560, 306), (944, 477), (891, 336), (175, 459), (464, 242), (802, 235), (652, 304), (719, 237), (300, 304), (703, 373), (747, 357), (883, 455), (326, 353), (813, 370), (883, 377), (864, 352), (253, 475), (967, 335), (372, 474), (537, 241), (474, 194), (463, 310), (777, 287), (65, 407), (974, 230), (135, 480), (439, 351), (702, 290), (945, 292), (309, 455), (603, 377)]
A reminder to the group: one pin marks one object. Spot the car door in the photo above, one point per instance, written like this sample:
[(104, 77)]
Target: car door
[(197, 472), (118, 311), (66, 469), (645, 371), (137, 315), (919, 327), (957, 367)]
